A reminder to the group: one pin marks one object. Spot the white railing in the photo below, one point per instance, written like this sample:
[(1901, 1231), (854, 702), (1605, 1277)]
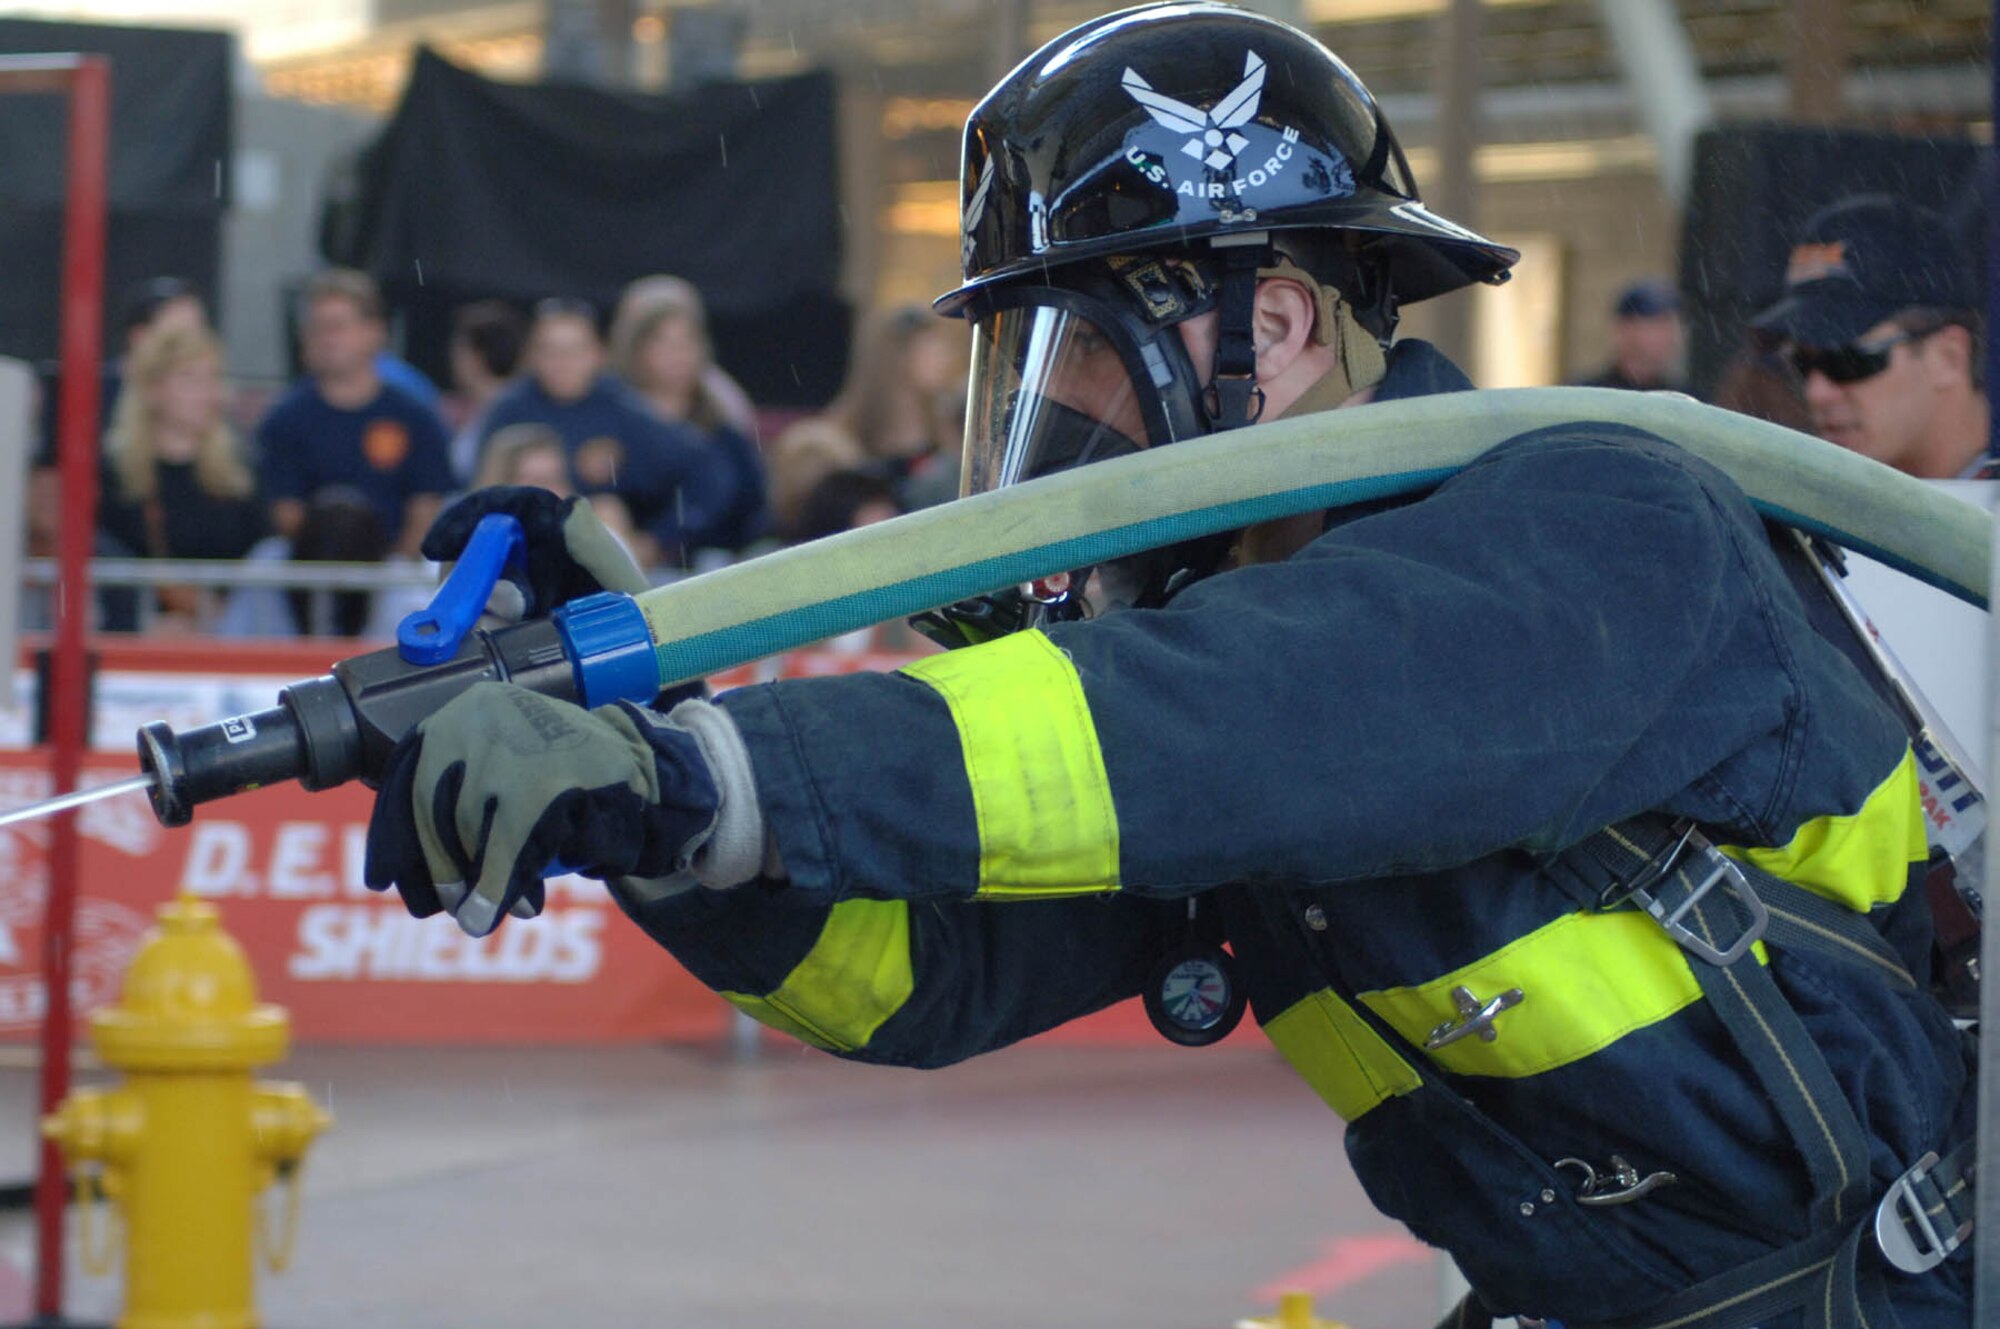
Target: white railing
[(228, 574), (407, 581)]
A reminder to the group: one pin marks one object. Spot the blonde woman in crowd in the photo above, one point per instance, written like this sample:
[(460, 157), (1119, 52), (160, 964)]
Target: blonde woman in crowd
[(178, 484), (659, 345), (805, 454), (904, 401), (904, 396), (717, 390), (529, 454)]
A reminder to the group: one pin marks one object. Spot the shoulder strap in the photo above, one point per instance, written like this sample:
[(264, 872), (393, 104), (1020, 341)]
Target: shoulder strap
[(1718, 909), (1707, 903)]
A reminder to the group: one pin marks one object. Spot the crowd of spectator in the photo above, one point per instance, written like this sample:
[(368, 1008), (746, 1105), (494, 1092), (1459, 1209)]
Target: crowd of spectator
[(351, 462)]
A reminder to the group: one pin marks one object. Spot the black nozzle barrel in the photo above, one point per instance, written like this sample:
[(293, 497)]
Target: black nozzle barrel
[(215, 760), (342, 726)]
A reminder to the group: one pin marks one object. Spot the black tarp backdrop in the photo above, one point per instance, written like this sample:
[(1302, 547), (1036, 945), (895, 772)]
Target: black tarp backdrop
[(479, 189), (1754, 188), (169, 176)]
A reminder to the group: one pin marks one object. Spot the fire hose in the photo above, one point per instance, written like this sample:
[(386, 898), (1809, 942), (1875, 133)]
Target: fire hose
[(340, 727)]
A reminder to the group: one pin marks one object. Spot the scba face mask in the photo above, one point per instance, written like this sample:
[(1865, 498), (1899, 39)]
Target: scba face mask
[(1066, 375), (1063, 377), (1052, 390)]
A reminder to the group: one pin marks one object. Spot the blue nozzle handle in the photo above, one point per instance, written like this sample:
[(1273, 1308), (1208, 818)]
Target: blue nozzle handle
[(433, 634)]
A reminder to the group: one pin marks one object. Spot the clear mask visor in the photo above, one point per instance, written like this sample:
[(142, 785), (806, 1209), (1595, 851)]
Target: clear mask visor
[(1049, 390)]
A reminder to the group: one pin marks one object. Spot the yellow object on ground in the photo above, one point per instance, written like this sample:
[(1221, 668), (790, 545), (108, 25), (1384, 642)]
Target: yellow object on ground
[(1295, 1311), (186, 1144)]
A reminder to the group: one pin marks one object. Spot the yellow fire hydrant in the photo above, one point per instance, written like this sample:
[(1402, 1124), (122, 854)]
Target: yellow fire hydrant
[(1295, 1311), (188, 1142)]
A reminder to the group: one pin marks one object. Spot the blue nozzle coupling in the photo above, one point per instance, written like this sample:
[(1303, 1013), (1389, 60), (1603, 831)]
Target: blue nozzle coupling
[(611, 647)]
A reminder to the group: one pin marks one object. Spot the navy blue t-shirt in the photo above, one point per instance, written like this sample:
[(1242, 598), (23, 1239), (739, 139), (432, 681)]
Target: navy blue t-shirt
[(390, 451), (678, 488)]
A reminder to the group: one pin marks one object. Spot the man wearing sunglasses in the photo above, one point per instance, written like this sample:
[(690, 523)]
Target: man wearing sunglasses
[(1880, 320)]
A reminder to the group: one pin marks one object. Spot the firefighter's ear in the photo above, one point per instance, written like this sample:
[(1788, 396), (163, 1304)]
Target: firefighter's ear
[(1946, 356), (1282, 325)]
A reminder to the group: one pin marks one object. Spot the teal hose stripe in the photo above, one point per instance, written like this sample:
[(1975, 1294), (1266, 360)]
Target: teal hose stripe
[(1777, 512), (698, 656)]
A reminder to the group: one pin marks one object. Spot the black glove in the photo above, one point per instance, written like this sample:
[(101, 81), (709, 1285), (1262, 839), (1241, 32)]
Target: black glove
[(483, 796), (569, 551)]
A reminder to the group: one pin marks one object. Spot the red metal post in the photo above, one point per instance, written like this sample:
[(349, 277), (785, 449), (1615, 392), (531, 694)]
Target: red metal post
[(81, 356)]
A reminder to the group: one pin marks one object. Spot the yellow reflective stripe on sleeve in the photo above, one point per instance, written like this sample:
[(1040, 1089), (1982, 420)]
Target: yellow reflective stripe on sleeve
[(1859, 860), (1586, 980), (1348, 1064), (1039, 792), (854, 978)]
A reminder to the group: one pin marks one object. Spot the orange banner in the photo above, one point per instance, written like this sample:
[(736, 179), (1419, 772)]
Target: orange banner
[(284, 867)]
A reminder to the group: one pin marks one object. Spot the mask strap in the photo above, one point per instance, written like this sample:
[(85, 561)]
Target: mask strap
[(1233, 398), (1362, 358)]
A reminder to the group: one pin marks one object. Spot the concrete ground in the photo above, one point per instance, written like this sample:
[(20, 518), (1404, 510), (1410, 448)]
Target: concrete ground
[(1038, 1188)]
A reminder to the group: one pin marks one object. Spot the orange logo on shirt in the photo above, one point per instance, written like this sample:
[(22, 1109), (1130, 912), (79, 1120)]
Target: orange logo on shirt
[(597, 461), (385, 444), (1811, 262)]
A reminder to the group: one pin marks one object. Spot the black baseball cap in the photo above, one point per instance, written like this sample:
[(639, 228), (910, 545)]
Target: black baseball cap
[(1648, 297), (1863, 260)]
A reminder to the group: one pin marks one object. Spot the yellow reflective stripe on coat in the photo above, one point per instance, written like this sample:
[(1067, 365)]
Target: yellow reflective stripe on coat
[(1348, 1064), (1859, 860), (1586, 980), (1039, 792), (854, 978)]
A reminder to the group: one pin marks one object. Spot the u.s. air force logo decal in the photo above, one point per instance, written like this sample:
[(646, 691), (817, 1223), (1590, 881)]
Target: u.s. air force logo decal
[(1218, 138), (1214, 143)]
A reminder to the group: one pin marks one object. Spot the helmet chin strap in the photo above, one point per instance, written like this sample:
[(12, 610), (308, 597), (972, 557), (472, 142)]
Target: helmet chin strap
[(1232, 398)]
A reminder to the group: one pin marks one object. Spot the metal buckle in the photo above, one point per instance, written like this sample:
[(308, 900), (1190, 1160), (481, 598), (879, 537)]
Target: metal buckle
[(1474, 1017), (1621, 1185), (1652, 870), (1721, 872), (1903, 1208), (1211, 396)]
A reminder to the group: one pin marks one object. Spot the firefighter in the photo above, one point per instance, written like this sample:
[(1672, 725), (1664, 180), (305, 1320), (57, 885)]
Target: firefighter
[(1881, 321), (1542, 833)]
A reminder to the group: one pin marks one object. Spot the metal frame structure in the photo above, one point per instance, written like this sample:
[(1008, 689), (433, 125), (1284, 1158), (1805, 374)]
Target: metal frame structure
[(86, 81), (1986, 1226), (1986, 1230)]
